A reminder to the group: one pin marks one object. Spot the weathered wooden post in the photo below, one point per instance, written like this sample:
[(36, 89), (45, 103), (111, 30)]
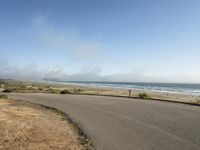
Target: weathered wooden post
[(129, 93)]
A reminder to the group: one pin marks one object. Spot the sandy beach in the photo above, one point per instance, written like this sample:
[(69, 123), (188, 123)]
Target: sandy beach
[(57, 88), (134, 93)]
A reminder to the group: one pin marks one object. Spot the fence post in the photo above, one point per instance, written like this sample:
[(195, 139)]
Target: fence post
[(129, 93)]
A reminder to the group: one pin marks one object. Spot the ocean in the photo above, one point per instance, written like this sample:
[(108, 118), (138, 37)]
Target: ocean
[(178, 88)]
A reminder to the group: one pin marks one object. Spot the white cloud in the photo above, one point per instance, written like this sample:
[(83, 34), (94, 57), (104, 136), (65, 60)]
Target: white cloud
[(88, 73), (71, 42), (65, 40)]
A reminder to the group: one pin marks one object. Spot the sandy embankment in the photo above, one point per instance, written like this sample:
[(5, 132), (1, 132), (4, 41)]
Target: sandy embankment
[(134, 93), (28, 126)]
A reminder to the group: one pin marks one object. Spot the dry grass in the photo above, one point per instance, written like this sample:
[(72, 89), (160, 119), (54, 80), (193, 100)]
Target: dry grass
[(28, 126)]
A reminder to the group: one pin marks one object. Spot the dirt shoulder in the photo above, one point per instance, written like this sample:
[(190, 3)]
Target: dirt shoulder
[(29, 126)]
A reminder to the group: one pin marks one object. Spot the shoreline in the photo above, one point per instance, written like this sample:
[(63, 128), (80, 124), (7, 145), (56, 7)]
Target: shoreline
[(115, 85), (111, 91), (56, 87)]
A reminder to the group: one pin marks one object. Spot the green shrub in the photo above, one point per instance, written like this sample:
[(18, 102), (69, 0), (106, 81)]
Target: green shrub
[(53, 90), (144, 96), (198, 101), (22, 87), (41, 89), (4, 96), (76, 91), (7, 90), (65, 92)]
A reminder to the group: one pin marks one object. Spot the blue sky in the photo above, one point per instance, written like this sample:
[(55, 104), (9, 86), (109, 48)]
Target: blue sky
[(101, 40)]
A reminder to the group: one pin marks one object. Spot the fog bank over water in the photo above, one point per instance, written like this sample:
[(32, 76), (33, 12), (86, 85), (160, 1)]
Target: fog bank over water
[(36, 73)]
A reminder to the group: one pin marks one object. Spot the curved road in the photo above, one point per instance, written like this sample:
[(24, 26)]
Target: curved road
[(128, 124)]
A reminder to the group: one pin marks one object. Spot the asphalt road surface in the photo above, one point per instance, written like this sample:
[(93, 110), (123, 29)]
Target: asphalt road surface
[(128, 124)]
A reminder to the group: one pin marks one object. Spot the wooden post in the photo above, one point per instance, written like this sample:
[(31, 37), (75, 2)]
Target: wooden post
[(129, 93)]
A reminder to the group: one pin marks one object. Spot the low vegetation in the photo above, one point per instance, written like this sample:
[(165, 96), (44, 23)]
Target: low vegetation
[(7, 90), (65, 92), (144, 96), (76, 91), (54, 91), (3, 96), (197, 102), (30, 87)]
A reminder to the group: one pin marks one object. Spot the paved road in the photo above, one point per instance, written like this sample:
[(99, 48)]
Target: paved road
[(128, 124)]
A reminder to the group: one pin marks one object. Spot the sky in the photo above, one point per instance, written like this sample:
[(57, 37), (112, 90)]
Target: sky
[(100, 40)]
